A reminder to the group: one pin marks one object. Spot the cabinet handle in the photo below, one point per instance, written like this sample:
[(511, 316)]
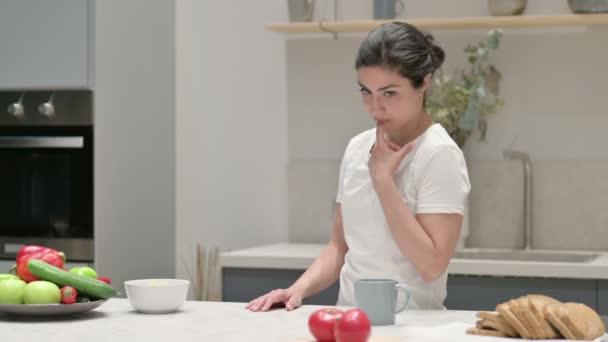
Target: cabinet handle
[(41, 142)]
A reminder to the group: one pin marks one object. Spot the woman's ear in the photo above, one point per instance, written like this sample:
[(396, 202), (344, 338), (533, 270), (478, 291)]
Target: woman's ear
[(426, 83)]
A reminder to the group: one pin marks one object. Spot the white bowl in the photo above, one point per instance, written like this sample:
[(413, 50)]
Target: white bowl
[(157, 295)]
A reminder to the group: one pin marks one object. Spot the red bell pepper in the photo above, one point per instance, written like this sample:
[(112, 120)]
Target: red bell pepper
[(48, 255), (105, 280), (29, 249), (68, 295)]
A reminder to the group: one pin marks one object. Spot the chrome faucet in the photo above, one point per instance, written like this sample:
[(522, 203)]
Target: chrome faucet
[(527, 163)]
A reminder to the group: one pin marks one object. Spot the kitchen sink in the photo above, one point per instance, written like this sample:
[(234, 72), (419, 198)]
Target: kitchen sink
[(523, 255)]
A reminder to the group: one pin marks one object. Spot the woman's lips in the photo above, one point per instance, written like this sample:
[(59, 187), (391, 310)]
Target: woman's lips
[(380, 121)]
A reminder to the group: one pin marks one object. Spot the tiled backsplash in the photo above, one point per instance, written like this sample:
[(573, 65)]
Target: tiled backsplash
[(571, 209), (312, 195), (497, 203), (569, 203)]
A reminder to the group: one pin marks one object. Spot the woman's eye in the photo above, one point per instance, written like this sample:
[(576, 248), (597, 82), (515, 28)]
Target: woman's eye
[(364, 91), (389, 93)]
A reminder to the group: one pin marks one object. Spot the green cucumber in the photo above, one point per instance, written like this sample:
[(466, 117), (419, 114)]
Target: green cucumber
[(82, 284)]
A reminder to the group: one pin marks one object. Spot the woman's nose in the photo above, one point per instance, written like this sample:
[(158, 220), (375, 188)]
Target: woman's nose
[(376, 105)]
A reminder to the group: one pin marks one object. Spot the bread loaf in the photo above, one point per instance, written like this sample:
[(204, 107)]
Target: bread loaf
[(536, 303), (575, 321), (521, 308), (509, 311), (540, 317), (494, 320), (485, 332)]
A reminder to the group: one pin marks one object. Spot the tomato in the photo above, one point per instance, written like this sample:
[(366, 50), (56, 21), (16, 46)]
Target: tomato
[(321, 324), (353, 326), (68, 295)]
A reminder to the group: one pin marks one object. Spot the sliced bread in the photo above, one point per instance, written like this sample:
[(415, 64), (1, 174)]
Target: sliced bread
[(485, 332), (536, 303), (509, 310), (494, 320), (575, 321)]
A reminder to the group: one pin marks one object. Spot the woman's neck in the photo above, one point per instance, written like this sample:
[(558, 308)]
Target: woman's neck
[(412, 131)]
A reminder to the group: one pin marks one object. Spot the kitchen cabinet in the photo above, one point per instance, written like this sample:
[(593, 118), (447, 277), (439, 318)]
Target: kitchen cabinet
[(46, 44), (602, 297), (464, 292), (245, 284), (483, 293)]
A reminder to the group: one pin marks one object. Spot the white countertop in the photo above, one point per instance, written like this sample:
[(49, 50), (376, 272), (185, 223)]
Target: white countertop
[(300, 256), (216, 321)]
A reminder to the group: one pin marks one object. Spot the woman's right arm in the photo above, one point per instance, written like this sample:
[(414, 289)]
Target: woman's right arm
[(323, 272)]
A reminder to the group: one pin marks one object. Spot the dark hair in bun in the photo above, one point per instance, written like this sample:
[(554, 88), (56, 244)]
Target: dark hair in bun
[(402, 47)]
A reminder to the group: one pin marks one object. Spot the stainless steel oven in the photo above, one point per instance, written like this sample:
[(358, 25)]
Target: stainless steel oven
[(46, 172)]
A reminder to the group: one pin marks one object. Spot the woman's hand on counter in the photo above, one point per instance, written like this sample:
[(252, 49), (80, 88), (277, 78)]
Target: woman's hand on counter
[(291, 298)]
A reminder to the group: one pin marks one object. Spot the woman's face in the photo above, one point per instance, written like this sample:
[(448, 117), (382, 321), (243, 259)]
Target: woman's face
[(389, 98)]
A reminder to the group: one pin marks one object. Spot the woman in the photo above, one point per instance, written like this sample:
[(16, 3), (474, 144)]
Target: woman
[(402, 186)]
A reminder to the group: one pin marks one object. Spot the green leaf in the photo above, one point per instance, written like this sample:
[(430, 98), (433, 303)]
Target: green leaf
[(460, 102), (470, 49), (494, 39)]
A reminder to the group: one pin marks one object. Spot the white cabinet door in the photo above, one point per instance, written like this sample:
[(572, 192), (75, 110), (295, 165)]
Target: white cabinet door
[(45, 44)]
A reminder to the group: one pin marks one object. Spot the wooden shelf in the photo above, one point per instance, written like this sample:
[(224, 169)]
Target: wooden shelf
[(447, 23)]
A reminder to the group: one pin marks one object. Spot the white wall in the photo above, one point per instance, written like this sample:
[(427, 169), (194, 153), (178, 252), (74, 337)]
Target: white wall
[(134, 139), (231, 147), (553, 84), (191, 141)]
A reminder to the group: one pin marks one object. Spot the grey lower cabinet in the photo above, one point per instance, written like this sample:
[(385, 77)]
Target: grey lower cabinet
[(483, 293), (245, 284), (602, 297), (464, 292)]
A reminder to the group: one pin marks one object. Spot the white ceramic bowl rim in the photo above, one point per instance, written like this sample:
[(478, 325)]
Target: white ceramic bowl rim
[(146, 282)]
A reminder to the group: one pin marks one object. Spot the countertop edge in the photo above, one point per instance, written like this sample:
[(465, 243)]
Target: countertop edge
[(299, 256)]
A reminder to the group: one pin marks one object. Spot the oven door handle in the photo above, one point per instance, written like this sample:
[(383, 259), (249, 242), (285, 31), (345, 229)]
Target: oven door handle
[(41, 142)]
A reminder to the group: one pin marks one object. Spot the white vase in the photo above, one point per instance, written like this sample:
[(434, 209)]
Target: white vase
[(507, 7), (588, 6)]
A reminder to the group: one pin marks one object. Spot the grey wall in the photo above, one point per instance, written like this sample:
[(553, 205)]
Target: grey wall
[(135, 139), (553, 85)]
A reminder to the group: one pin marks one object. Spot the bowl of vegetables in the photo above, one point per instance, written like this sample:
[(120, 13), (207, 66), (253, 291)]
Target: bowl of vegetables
[(157, 295), (41, 285)]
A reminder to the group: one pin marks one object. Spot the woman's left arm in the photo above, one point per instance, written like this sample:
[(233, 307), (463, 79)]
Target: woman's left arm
[(427, 240)]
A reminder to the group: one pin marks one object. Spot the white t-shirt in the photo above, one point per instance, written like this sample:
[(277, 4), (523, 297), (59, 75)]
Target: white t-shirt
[(432, 178)]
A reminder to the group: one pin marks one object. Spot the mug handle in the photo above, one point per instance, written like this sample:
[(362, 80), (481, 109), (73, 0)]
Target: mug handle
[(399, 7), (407, 297)]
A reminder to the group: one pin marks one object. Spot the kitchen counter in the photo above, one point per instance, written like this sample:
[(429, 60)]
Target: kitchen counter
[(116, 321), (300, 256)]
